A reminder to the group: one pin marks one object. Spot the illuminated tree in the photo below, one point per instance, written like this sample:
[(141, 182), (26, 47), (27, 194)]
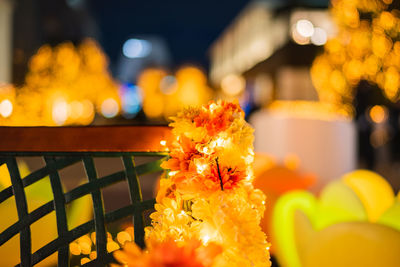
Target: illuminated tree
[(165, 95), (367, 47), (65, 85)]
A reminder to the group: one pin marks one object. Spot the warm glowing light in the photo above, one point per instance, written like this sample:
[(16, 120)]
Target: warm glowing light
[(6, 108), (299, 39), (85, 248), (305, 28), (311, 109), (220, 142), (123, 236), (136, 48), (154, 108), (93, 237), (213, 106), (163, 142), (292, 161), (233, 85), (319, 36), (93, 255), (378, 114), (75, 110), (249, 177), (172, 173), (59, 82), (88, 109), (201, 167), (60, 111), (112, 246), (74, 248), (211, 187), (365, 48), (84, 260), (164, 95), (109, 108), (205, 239)]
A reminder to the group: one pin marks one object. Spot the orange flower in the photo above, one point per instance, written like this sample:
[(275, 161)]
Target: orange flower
[(223, 177), (182, 155), (217, 118), (169, 254), (209, 181)]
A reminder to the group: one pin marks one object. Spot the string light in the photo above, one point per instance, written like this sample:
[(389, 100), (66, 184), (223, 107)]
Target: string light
[(201, 167), (6, 108), (109, 108), (65, 84), (205, 239), (365, 48)]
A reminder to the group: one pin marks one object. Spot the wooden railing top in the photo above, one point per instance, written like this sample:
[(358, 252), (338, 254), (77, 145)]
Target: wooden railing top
[(85, 139)]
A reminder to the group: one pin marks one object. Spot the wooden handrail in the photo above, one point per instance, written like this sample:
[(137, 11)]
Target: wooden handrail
[(85, 139)]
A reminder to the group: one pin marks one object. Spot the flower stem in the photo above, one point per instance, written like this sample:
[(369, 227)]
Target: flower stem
[(219, 175)]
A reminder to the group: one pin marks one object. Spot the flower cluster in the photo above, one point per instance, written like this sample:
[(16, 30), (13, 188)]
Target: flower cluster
[(168, 253), (207, 193)]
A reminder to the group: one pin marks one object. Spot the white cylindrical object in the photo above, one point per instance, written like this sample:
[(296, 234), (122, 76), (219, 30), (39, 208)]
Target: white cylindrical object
[(325, 147)]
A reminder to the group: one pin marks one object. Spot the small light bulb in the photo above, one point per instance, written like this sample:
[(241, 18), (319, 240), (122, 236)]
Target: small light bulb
[(205, 239), (201, 168)]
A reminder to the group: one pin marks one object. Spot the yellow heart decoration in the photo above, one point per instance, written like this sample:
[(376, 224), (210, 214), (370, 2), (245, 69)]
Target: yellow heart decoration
[(373, 190), (355, 222)]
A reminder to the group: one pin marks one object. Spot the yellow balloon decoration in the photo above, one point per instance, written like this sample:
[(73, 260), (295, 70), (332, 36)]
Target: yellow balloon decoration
[(354, 222), (373, 191)]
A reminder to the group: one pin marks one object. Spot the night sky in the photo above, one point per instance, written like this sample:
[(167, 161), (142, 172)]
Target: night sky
[(189, 27)]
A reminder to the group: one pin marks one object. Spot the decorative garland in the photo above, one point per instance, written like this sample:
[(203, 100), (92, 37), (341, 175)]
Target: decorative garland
[(207, 195)]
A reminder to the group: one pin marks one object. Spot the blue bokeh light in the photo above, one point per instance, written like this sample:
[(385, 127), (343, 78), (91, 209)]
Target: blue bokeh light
[(131, 100)]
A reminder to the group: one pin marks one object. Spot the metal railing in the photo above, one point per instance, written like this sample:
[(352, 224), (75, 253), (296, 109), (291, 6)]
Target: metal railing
[(63, 147)]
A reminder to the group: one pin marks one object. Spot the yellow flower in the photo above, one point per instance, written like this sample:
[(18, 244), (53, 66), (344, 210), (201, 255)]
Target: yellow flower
[(230, 219), (209, 195)]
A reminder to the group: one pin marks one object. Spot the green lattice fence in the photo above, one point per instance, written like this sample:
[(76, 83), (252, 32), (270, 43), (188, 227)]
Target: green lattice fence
[(63, 147)]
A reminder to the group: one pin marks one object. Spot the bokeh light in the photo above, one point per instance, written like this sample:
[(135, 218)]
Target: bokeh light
[(378, 114), (60, 111), (136, 48), (6, 108), (109, 108), (165, 94), (64, 85), (319, 36), (233, 85), (305, 28), (131, 100), (365, 48)]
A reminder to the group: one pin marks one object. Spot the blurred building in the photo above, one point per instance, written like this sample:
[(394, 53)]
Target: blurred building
[(270, 47), (272, 44)]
